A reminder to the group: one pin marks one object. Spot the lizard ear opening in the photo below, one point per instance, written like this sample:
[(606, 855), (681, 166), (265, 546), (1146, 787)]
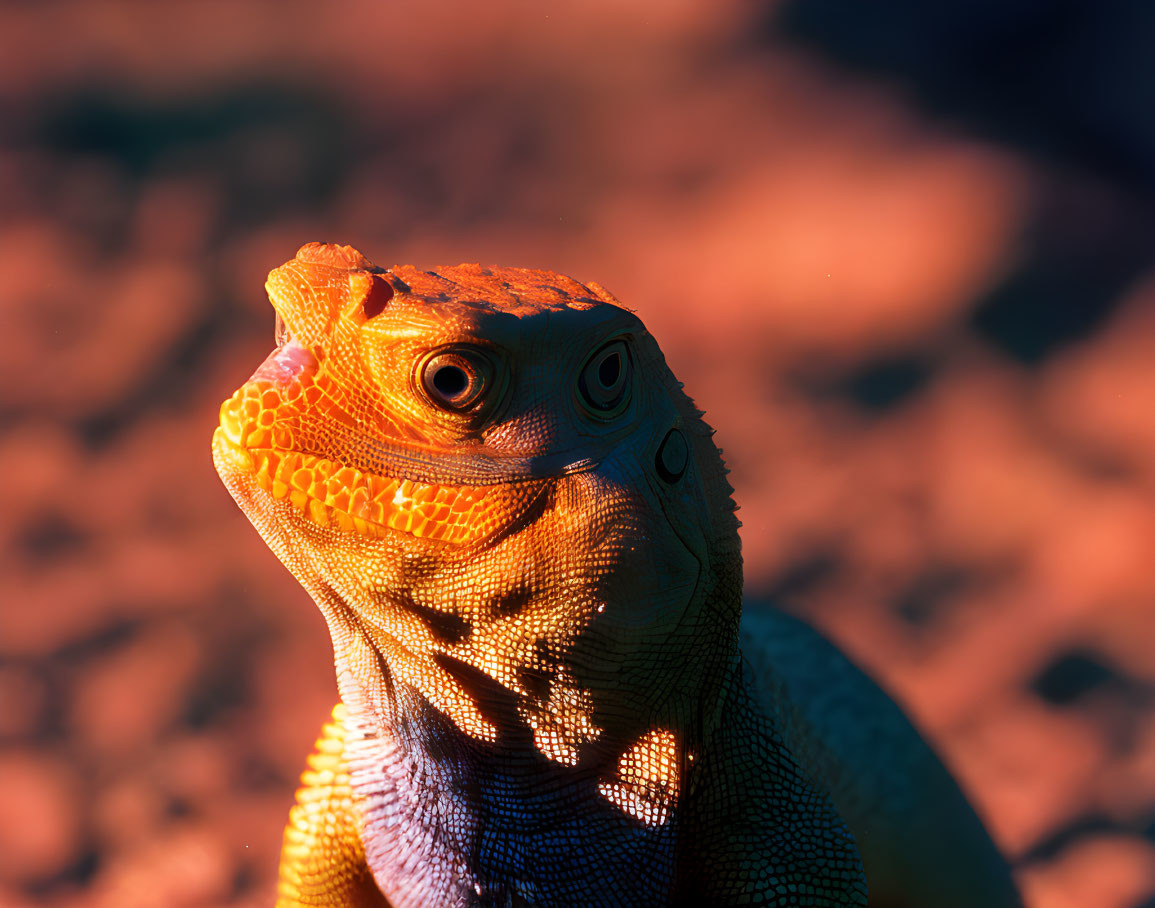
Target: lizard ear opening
[(672, 457)]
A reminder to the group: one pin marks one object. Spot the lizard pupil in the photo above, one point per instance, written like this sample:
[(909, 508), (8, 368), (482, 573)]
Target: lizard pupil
[(609, 370), (456, 379), (450, 381)]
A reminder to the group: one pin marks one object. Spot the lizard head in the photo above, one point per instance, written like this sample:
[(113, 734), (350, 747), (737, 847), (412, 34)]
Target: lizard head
[(497, 493)]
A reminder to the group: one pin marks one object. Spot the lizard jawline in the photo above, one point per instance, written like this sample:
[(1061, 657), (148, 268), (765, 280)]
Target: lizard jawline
[(332, 495)]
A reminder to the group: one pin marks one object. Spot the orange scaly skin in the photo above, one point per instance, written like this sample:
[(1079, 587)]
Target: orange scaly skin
[(520, 535)]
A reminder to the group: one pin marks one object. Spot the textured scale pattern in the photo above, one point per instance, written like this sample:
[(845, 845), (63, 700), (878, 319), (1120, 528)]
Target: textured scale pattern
[(324, 860), (520, 534)]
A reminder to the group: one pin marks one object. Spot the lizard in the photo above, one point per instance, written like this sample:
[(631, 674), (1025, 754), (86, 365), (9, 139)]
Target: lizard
[(523, 541)]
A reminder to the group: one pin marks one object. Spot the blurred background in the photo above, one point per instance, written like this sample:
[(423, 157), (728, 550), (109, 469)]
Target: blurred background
[(900, 252)]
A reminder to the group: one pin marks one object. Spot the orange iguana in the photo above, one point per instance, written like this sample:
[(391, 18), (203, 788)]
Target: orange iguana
[(521, 536)]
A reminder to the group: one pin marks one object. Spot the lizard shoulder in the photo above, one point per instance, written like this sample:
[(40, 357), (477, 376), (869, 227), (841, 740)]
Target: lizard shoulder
[(322, 859)]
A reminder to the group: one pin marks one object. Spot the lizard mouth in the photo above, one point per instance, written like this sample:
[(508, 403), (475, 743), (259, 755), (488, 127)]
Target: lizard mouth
[(252, 442), (333, 495)]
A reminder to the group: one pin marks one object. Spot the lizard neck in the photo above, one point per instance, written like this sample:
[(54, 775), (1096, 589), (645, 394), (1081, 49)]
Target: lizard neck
[(449, 819)]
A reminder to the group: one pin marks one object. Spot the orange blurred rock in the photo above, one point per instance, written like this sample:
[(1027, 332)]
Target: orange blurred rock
[(69, 310), (183, 864), (1029, 768), (194, 769), (1099, 395), (40, 815), (128, 809), (993, 484), (1104, 871), (839, 242), (24, 696), (1124, 792), (1099, 550), (131, 695)]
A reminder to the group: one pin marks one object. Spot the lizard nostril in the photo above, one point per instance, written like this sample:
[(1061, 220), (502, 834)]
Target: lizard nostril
[(377, 298), (672, 456)]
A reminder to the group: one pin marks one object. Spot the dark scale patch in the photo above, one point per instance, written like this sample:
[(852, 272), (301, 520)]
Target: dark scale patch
[(1073, 675), (535, 682), (445, 626), (497, 704), (437, 743), (544, 654), (512, 601), (543, 502)]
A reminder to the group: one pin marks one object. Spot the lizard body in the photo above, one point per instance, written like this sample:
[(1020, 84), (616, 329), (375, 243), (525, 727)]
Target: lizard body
[(521, 537)]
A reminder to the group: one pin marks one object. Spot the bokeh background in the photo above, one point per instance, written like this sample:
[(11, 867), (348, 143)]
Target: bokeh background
[(901, 252)]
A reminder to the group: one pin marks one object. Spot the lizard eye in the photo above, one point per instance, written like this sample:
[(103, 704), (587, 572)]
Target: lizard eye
[(456, 379), (604, 383)]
